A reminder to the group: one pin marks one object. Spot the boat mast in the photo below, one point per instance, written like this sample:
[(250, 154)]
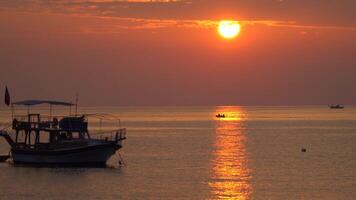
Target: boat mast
[(50, 111), (12, 111), (76, 104)]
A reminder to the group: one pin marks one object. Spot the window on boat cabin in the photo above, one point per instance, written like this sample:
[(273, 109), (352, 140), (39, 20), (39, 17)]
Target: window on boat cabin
[(70, 135), (44, 137)]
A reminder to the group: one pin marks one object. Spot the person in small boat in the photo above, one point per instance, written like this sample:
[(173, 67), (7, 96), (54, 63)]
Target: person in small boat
[(220, 115)]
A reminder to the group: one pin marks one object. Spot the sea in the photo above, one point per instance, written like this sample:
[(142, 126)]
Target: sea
[(189, 153)]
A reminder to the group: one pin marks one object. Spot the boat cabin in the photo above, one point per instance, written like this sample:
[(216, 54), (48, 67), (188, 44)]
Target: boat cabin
[(36, 131)]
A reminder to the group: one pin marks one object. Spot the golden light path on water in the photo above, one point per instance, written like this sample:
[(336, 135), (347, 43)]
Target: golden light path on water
[(230, 172)]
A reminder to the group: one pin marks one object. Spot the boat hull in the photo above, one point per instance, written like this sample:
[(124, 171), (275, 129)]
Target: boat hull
[(85, 156)]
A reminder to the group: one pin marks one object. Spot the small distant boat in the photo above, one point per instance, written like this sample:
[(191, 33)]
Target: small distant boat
[(336, 106), (220, 115)]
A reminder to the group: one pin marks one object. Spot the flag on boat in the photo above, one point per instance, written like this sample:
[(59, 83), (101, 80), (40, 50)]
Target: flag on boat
[(7, 97)]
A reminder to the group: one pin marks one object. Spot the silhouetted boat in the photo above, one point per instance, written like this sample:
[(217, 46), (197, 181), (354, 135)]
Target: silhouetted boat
[(336, 106), (59, 140), (220, 115)]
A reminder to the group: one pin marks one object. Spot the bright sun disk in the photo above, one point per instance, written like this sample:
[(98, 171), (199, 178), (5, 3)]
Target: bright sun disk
[(229, 29)]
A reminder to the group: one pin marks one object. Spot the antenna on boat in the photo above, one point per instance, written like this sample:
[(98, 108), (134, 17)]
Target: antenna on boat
[(76, 104), (50, 111), (12, 111)]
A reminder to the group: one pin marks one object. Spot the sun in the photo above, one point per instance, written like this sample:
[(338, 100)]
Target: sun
[(229, 29)]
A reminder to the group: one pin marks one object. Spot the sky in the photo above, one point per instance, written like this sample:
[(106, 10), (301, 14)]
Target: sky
[(169, 53)]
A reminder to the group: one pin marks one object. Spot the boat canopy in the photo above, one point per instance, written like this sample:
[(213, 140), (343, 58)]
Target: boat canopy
[(37, 102)]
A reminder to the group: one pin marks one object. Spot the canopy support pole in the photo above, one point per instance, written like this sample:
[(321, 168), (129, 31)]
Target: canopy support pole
[(12, 111), (76, 104), (50, 111)]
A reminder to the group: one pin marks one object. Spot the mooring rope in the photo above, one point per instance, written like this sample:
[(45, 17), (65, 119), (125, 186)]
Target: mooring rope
[(121, 161)]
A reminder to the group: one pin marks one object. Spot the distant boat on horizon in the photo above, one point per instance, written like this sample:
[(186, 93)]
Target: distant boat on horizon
[(336, 106), (220, 115)]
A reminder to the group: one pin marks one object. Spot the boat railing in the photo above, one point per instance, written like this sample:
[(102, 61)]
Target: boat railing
[(42, 118), (37, 121), (113, 135)]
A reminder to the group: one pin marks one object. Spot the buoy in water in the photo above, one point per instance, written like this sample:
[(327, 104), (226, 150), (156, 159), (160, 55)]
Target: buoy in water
[(304, 150)]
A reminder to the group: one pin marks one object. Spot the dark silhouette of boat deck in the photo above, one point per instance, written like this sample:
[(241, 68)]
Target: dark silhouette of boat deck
[(59, 140)]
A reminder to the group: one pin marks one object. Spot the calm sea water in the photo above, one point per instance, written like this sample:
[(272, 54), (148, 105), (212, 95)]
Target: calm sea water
[(186, 153)]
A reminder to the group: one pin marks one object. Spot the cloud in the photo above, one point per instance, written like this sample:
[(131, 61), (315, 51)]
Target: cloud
[(158, 14)]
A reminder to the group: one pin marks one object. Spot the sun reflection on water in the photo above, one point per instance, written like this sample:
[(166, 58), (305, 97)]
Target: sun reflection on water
[(230, 173)]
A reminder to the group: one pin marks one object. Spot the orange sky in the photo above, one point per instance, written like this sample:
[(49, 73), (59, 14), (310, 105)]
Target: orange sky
[(169, 52)]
